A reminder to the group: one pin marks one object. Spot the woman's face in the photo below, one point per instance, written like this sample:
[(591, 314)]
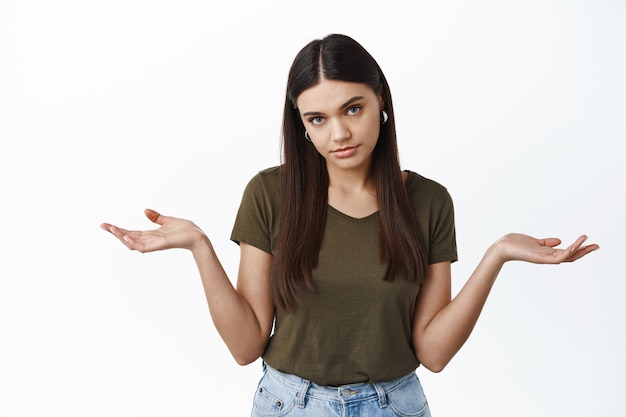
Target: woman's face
[(343, 121)]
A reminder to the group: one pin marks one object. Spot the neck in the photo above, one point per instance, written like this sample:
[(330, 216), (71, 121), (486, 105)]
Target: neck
[(351, 181)]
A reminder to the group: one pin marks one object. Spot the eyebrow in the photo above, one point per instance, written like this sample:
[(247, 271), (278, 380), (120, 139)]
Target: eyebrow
[(343, 106)]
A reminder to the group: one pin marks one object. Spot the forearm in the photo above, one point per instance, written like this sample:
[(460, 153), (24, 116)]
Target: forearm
[(442, 326), (448, 330), (232, 315)]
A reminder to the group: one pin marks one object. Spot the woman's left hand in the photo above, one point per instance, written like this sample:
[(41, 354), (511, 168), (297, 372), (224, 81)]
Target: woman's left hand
[(518, 247)]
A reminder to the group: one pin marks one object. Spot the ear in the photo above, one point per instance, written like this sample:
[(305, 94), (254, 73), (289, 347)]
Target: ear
[(381, 102)]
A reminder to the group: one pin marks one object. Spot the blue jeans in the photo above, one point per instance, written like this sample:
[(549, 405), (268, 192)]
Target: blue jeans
[(280, 394)]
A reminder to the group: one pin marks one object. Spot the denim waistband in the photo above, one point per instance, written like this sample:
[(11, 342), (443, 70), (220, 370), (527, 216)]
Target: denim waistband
[(343, 393)]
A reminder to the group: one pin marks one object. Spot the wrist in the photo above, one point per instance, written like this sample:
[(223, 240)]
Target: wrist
[(496, 253), (200, 242)]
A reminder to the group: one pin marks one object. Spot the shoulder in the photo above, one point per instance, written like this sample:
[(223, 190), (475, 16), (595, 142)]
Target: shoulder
[(271, 172), (422, 187), (257, 218), (433, 209), (263, 191), (266, 180)]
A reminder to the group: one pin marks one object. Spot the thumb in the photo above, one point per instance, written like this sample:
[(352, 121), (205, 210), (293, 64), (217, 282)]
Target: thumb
[(551, 242), (154, 216)]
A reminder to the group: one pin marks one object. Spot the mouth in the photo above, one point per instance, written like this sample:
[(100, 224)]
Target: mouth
[(344, 152), (344, 149)]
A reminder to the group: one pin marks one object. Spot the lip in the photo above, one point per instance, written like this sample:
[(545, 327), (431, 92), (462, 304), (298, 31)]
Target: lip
[(344, 152)]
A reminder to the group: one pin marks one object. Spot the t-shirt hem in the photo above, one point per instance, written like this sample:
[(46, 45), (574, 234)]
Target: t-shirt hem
[(257, 242), (443, 257)]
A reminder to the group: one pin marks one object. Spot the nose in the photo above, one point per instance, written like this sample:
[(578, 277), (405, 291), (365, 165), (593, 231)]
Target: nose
[(339, 130)]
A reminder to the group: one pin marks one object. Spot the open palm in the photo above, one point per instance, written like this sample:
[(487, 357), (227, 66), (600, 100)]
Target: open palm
[(172, 233)]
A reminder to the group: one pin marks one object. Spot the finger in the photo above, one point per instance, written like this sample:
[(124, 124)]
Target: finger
[(121, 234), (577, 244), (582, 251), (155, 217), (142, 242), (550, 241), (139, 241), (130, 242), (108, 228), (571, 253)]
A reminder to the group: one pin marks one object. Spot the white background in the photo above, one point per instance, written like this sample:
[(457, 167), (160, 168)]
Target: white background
[(107, 108)]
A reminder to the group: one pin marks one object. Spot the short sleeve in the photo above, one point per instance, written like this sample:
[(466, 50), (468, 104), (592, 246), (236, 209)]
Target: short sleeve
[(256, 220), (433, 209), (443, 232)]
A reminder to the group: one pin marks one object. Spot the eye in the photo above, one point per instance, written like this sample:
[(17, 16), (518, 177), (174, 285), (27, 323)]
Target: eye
[(354, 109), (316, 120)]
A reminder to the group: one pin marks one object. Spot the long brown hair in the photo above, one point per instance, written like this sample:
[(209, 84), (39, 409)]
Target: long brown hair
[(304, 177)]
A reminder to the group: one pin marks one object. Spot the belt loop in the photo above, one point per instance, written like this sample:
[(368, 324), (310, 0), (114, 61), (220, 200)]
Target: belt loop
[(302, 393), (382, 395)]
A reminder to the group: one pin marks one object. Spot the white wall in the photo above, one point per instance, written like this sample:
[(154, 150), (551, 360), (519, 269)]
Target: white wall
[(110, 107)]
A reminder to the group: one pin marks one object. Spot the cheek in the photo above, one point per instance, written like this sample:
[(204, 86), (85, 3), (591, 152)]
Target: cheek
[(316, 147), (372, 129)]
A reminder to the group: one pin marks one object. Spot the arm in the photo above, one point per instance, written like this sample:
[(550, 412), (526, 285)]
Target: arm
[(441, 325), (242, 316)]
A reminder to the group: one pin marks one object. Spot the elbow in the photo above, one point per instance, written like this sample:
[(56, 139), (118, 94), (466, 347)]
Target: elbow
[(435, 358), (243, 360), (247, 351), (434, 363), (246, 357), (435, 366)]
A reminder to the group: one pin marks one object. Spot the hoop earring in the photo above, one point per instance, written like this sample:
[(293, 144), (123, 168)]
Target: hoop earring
[(306, 136), (383, 117)]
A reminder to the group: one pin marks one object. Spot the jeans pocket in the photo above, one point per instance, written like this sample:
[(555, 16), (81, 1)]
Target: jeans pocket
[(273, 399), (408, 399)]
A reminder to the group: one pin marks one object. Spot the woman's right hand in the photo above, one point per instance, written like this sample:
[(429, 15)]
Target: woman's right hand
[(173, 233)]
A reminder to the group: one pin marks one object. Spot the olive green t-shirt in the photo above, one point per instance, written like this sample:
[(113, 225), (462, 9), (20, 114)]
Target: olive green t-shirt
[(354, 327)]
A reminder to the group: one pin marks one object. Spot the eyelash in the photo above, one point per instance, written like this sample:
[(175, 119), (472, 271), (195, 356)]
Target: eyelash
[(358, 108), (312, 120)]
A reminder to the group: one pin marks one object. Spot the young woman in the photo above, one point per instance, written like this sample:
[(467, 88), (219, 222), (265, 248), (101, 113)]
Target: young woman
[(344, 284)]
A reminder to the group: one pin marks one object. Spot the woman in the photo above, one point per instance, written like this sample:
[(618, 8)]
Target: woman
[(344, 283)]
